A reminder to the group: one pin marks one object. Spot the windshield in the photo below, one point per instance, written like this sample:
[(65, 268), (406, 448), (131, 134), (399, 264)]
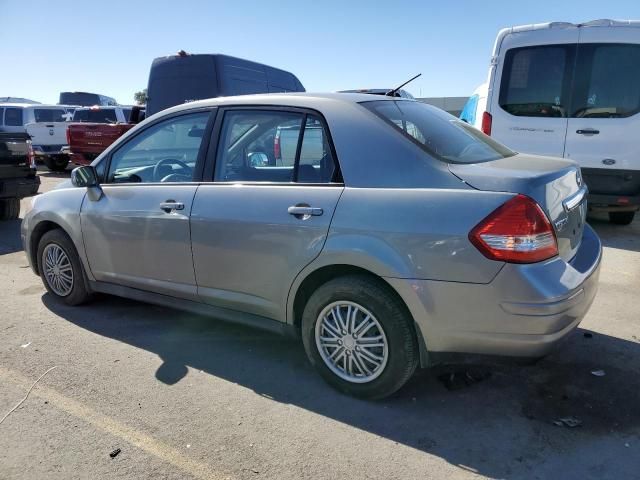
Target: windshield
[(441, 135), (95, 116)]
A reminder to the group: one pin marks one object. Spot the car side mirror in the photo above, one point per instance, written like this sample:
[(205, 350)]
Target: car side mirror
[(84, 176), (258, 159)]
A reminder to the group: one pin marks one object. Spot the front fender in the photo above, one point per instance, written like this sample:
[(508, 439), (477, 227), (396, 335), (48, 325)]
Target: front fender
[(61, 207)]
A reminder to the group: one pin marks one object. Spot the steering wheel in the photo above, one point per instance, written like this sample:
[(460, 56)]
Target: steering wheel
[(172, 176)]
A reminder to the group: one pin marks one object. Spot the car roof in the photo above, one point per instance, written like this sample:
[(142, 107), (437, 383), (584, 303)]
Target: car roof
[(292, 99), (30, 105)]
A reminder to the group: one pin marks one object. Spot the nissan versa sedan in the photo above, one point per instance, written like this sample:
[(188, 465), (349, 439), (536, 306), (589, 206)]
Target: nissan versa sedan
[(390, 234)]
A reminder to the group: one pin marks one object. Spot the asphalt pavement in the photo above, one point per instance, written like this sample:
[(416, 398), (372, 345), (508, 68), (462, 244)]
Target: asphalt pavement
[(178, 396)]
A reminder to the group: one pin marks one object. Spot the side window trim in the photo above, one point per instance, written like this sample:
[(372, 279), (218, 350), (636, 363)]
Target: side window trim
[(204, 145), (214, 144)]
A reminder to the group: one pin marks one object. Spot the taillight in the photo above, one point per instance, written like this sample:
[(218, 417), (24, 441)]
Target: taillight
[(486, 123), (276, 146), (516, 232), (31, 156), (68, 136)]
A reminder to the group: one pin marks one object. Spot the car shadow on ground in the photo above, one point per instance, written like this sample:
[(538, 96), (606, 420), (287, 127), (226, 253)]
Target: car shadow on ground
[(10, 241), (501, 426), (624, 237)]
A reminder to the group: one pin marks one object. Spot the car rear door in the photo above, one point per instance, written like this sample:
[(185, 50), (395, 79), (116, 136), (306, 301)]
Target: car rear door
[(605, 117), (260, 222), (530, 94), (137, 233)]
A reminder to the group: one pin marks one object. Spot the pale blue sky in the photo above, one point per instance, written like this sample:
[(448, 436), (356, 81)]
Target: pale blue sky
[(107, 46)]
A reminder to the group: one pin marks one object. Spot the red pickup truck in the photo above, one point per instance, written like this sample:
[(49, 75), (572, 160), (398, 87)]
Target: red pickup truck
[(93, 129)]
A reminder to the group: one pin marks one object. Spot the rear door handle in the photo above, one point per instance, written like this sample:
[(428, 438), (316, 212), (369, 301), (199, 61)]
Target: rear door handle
[(171, 205), (301, 211), (587, 131)]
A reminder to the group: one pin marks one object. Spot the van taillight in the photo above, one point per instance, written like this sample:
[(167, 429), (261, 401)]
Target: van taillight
[(486, 123), (516, 232)]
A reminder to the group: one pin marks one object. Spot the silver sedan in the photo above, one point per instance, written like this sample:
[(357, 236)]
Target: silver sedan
[(383, 231)]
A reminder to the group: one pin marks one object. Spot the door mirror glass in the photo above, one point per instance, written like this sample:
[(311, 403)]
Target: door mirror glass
[(84, 176), (258, 159)]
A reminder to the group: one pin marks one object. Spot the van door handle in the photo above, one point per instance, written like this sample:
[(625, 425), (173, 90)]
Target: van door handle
[(171, 205), (587, 131), (304, 211)]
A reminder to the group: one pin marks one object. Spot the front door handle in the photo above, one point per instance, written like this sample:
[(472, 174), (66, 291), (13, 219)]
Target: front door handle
[(304, 211), (588, 131), (171, 205)]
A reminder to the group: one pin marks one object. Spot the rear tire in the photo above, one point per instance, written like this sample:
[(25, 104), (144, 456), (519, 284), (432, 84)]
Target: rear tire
[(9, 208), (56, 163), (621, 218), (61, 269), (360, 368)]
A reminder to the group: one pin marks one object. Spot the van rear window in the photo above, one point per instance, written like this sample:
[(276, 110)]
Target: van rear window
[(49, 114), (535, 81), (441, 135)]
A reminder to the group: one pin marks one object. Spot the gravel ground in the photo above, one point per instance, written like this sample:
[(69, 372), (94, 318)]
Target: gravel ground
[(184, 396)]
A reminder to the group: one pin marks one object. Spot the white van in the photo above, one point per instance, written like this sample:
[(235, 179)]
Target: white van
[(571, 91)]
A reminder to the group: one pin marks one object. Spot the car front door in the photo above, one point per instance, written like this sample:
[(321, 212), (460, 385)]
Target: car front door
[(267, 212), (137, 234)]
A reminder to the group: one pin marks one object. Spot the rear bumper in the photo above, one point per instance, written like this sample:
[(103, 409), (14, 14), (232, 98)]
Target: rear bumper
[(83, 158), (19, 187), (524, 312), (612, 190), (49, 150)]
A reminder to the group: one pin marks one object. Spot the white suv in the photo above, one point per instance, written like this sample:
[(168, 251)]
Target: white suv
[(571, 91)]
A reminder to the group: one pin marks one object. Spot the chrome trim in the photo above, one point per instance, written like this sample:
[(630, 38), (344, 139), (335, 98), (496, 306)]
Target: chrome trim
[(574, 200)]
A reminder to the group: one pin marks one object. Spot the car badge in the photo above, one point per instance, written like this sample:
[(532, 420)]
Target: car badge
[(609, 161), (560, 224), (51, 131)]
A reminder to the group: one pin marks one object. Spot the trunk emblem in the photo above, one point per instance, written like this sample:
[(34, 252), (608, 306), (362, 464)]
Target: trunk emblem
[(609, 161), (51, 131)]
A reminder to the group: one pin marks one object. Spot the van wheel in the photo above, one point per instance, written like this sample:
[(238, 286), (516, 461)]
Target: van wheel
[(60, 268), (57, 163), (359, 337), (621, 218), (9, 208)]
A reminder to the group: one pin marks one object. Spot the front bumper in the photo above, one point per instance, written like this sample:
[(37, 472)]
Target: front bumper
[(524, 312), (19, 187)]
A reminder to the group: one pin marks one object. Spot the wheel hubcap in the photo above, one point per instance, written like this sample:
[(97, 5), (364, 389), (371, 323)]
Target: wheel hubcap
[(57, 270), (351, 342)]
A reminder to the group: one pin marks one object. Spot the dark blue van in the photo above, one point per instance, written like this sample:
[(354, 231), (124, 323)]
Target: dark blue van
[(184, 77)]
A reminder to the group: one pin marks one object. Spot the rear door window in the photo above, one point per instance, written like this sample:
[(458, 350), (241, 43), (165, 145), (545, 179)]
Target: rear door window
[(13, 117), (49, 115), (607, 81), (536, 81), (274, 146), (1, 116)]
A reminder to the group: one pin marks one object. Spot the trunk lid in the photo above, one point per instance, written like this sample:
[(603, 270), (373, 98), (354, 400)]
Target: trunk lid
[(94, 137), (556, 184)]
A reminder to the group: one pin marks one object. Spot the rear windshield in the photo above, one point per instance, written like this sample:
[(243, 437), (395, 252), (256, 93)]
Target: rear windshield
[(49, 114), (95, 116), (441, 135), (79, 98)]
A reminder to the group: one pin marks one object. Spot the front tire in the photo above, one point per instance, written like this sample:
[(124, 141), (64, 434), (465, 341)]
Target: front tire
[(621, 218), (360, 337), (9, 208), (56, 163), (61, 269)]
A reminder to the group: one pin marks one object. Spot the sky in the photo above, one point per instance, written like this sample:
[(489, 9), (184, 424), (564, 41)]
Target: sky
[(107, 47)]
